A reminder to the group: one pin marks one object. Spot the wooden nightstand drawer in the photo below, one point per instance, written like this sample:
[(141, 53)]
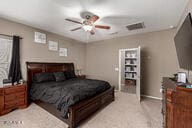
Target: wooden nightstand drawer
[(20, 102), (10, 105), (10, 97), (20, 95), (13, 97), (1, 92), (13, 89), (9, 90), (20, 88)]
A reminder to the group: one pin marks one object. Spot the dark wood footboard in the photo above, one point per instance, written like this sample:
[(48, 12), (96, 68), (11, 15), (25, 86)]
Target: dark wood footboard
[(82, 110)]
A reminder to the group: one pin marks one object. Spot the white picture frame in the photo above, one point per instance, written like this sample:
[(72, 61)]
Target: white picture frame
[(53, 45), (63, 52), (40, 37)]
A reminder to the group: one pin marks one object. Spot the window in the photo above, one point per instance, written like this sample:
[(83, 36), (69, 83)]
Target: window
[(5, 58)]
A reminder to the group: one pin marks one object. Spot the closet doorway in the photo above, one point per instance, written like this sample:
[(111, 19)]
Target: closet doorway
[(129, 71)]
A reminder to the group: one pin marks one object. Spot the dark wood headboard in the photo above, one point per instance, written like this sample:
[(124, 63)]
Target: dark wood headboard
[(38, 67)]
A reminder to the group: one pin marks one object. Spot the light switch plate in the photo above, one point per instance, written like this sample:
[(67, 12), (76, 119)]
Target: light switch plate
[(116, 69)]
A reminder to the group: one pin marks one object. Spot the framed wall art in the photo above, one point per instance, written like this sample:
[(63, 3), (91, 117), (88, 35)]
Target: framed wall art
[(39, 37), (63, 52), (53, 45)]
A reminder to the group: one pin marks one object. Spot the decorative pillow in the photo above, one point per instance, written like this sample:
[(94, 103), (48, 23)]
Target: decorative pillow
[(43, 77), (59, 76), (70, 74)]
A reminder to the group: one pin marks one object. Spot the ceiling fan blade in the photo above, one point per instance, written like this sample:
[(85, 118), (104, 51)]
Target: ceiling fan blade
[(102, 27), (76, 29), (73, 21), (94, 18), (92, 32)]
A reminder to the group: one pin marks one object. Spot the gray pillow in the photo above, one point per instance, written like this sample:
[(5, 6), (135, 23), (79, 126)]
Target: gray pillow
[(70, 74), (59, 76), (43, 77)]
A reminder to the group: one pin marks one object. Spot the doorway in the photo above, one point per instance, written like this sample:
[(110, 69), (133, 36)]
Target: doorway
[(129, 71)]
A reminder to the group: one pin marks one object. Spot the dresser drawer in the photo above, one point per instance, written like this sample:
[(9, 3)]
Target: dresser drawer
[(10, 97), (169, 95)]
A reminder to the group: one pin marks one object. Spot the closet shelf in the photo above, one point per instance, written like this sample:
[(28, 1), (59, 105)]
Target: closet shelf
[(130, 72), (130, 58), (130, 78), (130, 65)]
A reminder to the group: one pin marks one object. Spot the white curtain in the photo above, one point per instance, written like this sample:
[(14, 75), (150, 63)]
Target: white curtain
[(5, 58)]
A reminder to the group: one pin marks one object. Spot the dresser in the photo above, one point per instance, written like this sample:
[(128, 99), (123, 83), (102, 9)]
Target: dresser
[(177, 105), (13, 97)]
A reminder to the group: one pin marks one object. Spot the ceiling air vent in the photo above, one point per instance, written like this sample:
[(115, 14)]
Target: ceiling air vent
[(136, 26)]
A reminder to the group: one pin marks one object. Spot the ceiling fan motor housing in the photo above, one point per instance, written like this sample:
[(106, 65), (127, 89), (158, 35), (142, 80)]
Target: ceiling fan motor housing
[(87, 22), (87, 17)]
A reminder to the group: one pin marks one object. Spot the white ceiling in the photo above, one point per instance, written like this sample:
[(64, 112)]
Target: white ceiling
[(50, 15)]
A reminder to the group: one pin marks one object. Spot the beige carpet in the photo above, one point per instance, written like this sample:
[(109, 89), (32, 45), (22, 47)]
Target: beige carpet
[(124, 112), (131, 89), (152, 109)]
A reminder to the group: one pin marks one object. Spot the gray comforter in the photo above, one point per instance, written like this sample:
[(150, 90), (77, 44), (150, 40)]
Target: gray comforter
[(66, 93)]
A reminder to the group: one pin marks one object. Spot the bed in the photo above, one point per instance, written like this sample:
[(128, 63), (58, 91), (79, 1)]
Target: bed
[(83, 99)]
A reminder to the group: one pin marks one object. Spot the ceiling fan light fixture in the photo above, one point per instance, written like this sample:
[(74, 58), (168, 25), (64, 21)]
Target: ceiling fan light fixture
[(87, 27)]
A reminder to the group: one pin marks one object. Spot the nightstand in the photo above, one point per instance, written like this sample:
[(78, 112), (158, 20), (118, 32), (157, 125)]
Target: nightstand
[(81, 76), (13, 97)]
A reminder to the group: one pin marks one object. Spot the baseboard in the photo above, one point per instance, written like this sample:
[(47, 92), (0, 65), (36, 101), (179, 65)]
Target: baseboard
[(152, 97)]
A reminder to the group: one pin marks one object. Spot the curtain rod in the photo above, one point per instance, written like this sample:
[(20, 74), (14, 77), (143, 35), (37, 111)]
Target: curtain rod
[(9, 36)]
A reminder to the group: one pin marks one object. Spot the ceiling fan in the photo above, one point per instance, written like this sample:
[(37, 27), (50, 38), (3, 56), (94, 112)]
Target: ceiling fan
[(89, 24)]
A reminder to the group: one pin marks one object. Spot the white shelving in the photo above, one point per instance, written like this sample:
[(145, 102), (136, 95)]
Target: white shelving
[(131, 64)]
